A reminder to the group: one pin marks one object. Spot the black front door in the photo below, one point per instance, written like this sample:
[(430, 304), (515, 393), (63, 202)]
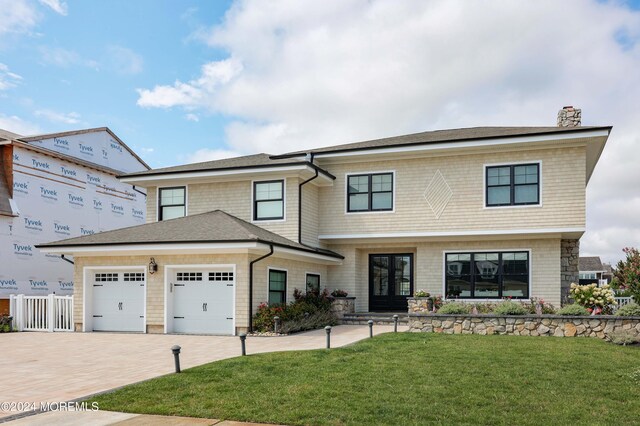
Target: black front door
[(390, 281)]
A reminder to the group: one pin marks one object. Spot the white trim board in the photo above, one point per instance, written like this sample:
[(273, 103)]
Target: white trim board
[(484, 232)]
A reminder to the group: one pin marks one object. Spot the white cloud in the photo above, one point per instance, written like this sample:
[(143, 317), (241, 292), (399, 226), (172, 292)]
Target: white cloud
[(17, 16), (58, 117), (65, 58), (124, 60), (57, 6), (304, 74), (209, 155), (8, 79), (17, 125), (192, 117)]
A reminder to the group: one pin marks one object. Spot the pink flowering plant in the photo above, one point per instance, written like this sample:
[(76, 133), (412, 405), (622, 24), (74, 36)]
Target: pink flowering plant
[(597, 300)]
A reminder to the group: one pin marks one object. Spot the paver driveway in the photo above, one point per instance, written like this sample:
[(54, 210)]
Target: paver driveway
[(56, 367)]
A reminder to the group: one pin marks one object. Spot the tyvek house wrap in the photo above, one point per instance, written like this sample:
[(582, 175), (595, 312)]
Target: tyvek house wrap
[(57, 199)]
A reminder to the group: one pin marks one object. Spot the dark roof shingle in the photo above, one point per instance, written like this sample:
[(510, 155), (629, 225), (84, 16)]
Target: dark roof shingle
[(212, 227)]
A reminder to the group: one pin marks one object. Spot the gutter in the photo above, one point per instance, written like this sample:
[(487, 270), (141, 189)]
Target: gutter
[(251, 285), (67, 260), (300, 202)]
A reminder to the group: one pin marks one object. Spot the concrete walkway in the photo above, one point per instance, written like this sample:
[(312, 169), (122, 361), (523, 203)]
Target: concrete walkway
[(59, 367)]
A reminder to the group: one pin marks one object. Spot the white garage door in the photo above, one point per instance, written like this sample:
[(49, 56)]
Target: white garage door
[(203, 302), (118, 301)]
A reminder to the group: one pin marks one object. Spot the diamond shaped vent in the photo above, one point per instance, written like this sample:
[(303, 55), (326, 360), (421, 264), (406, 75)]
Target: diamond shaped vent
[(438, 194)]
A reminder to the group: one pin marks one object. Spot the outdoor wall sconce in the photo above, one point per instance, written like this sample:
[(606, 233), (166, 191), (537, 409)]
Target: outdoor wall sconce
[(153, 266)]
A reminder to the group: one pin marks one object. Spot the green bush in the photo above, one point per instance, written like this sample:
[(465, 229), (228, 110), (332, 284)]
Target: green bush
[(573, 310), (5, 320), (630, 310), (509, 307), (454, 308), (623, 337), (626, 275), (307, 311)]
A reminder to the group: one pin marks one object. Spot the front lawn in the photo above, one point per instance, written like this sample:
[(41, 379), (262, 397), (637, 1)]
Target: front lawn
[(403, 378)]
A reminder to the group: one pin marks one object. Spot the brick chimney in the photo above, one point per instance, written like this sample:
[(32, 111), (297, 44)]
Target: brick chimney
[(569, 117)]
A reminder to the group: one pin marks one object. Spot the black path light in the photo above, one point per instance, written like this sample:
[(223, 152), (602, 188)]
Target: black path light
[(370, 322), (327, 330), (243, 338), (395, 323), (276, 324), (176, 356)]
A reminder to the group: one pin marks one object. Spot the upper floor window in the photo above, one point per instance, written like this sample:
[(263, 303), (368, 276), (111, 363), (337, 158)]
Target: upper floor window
[(268, 200), (370, 192), (515, 185), (172, 203)]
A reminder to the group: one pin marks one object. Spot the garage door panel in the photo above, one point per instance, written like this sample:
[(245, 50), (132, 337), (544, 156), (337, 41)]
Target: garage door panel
[(118, 301), (203, 302)]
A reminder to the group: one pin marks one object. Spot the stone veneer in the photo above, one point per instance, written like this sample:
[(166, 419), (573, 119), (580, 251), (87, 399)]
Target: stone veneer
[(569, 265), (419, 304), (343, 305), (524, 325)]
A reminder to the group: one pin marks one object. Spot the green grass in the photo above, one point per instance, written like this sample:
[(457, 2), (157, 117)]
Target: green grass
[(403, 379)]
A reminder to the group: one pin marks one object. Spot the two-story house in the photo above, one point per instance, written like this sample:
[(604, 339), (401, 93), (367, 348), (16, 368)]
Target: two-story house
[(473, 214)]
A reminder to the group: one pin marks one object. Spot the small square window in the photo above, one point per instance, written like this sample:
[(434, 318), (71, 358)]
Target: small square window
[(171, 203)]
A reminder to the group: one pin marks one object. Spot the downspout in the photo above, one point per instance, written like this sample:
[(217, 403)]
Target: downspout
[(66, 260), (300, 202), (251, 285), (138, 191)]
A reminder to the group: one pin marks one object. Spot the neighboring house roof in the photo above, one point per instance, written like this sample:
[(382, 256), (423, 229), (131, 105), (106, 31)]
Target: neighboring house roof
[(212, 227), (245, 162), (440, 136), (80, 132), (5, 134), (591, 264)]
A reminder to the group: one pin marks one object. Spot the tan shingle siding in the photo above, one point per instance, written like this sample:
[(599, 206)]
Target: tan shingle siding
[(563, 194)]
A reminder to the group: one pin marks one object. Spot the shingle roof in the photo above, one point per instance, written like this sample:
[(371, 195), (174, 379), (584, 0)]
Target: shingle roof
[(212, 227), (592, 263), (449, 135)]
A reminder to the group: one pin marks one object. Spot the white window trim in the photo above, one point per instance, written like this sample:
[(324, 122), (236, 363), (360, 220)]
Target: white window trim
[(504, 164), (501, 250), (286, 289), (284, 201), (169, 272), (87, 271), (346, 192), (186, 199)]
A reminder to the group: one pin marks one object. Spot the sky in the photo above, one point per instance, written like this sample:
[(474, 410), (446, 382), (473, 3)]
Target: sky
[(186, 81)]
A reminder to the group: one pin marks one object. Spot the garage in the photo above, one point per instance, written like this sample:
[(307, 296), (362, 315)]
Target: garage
[(118, 299), (203, 300)]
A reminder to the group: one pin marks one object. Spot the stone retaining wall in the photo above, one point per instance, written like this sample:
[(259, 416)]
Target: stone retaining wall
[(343, 305), (529, 325)]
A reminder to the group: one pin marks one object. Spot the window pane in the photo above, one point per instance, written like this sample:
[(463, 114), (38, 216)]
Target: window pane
[(458, 264), (459, 286), (277, 280), (313, 283), (381, 182), (486, 265), (515, 286), (525, 174), (171, 196), (358, 184), (276, 298), (499, 175), (402, 275), (381, 201), (526, 194), (172, 212), (486, 286), (380, 266), (269, 191), (498, 195), (269, 209), (358, 202), (515, 263)]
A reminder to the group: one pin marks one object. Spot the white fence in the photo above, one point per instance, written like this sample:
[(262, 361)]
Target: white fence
[(621, 301), (41, 313)]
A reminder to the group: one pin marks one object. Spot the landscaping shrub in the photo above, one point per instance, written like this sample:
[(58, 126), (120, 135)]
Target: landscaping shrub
[(454, 308), (307, 311), (339, 293), (573, 310), (623, 337), (5, 322), (630, 310), (627, 273), (547, 308), (596, 299), (510, 307), (421, 293)]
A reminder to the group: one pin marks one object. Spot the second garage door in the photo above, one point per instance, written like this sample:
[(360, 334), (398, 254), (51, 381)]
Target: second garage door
[(203, 301)]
